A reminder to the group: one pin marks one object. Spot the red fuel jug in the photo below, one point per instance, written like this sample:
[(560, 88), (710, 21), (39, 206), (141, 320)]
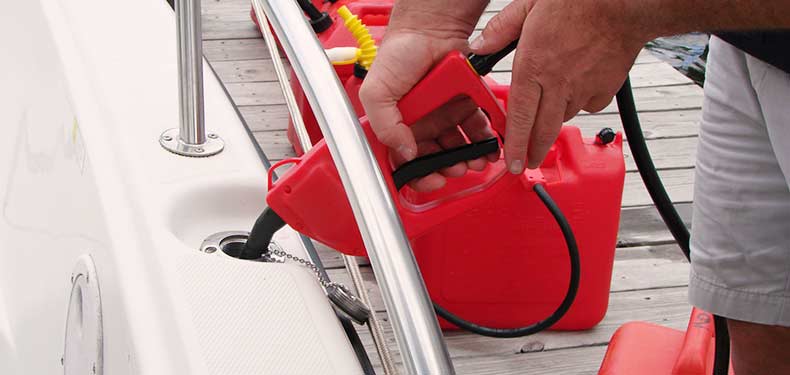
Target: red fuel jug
[(488, 249), (650, 349), (380, 18), (331, 8), (375, 15)]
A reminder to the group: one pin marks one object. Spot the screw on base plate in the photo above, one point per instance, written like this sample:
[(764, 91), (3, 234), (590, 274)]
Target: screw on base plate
[(171, 142)]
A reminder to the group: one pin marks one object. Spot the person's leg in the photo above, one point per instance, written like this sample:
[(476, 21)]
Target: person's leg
[(740, 246), (759, 348)]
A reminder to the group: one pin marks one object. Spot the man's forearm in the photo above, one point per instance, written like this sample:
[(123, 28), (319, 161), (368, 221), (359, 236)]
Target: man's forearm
[(437, 15), (667, 17)]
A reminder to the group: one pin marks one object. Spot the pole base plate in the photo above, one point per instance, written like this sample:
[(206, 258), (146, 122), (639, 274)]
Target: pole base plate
[(171, 141)]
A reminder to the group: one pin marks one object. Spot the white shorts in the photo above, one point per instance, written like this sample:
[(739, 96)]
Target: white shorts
[(740, 245)]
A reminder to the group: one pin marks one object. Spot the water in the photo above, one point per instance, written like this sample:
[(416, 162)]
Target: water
[(686, 53)]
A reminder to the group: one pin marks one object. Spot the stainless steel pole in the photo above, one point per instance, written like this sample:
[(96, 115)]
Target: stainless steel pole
[(191, 138), (374, 325), (416, 330)]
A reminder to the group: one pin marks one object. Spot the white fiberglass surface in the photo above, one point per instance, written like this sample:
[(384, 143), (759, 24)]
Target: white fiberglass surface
[(89, 87)]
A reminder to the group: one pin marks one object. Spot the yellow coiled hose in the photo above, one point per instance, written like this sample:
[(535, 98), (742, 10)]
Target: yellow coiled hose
[(361, 33)]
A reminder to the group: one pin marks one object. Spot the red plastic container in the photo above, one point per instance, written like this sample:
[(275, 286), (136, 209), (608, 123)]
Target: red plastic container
[(487, 248), (375, 15), (367, 19), (649, 349)]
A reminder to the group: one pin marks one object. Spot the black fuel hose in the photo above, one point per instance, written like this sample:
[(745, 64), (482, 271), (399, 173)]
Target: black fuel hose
[(309, 9), (483, 64), (629, 116), (320, 21), (269, 222), (570, 295), (643, 161)]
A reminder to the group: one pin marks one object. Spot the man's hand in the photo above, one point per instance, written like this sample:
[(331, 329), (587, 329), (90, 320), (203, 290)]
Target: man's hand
[(572, 55), (419, 35)]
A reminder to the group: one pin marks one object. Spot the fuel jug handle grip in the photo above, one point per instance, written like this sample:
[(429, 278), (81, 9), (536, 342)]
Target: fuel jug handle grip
[(452, 77), (425, 165)]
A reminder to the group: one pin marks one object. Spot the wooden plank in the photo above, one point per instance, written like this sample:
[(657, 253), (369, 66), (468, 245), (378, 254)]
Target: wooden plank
[(261, 118), (235, 50), (644, 226), (333, 259), (648, 99), (655, 125), (639, 226), (255, 93), (667, 153), (245, 71), (275, 144), (668, 307), (672, 153), (234, 24), (640, 268), (219, 7), (255, 48), (642, 272), (227, 19), (648, 281), (678, 183), (577, 361), (644, 56), (642, 75), (261, 70), (664, 98)]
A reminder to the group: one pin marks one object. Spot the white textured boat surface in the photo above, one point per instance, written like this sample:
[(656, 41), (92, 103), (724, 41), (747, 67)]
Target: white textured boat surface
[(86, 87)]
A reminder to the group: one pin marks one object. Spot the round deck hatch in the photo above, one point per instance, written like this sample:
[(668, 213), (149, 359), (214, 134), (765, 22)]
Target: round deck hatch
[(82, 352)]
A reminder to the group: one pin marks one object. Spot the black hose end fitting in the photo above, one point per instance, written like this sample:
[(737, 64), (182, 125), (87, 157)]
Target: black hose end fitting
[(321, 23), (261, 235), (360, 71), (484, 64), (605, 136)]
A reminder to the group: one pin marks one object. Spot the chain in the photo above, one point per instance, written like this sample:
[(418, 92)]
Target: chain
[(276, 250)]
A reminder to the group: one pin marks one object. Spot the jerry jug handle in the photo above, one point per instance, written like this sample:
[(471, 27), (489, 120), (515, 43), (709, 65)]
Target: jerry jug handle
[(450, 78), (425, 165)]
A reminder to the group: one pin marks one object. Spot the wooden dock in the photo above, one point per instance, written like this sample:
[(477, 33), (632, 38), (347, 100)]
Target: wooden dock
[(650, 275)]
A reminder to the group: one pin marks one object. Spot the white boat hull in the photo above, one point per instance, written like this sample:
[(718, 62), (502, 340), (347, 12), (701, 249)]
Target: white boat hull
[(87, 88)]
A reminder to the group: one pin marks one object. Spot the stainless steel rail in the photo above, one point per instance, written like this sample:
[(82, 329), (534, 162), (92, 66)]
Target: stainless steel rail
[(190, 139), (417, 332), (374, 325)]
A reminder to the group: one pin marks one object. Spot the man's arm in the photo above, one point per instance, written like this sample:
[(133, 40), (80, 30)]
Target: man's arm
[(575, 54), (448, 18), (670, 17)]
